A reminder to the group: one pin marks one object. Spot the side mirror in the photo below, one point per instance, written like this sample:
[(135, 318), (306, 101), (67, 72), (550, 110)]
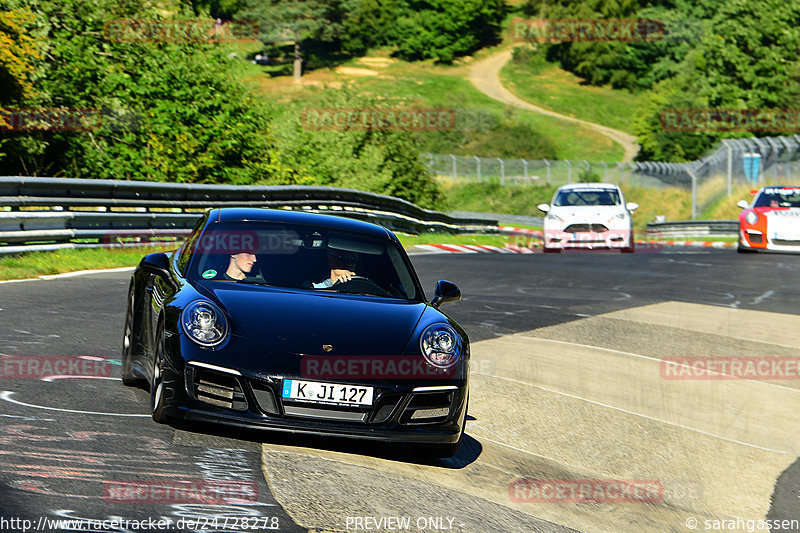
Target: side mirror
[(158, 264), (445, 292), (742, 204), (544, 208), (630, 206)]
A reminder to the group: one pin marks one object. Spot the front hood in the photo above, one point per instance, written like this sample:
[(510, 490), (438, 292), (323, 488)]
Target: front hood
[(586, 215), (280, 320)]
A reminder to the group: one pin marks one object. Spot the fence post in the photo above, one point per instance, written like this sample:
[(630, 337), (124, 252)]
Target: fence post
[(546, 162), (620, 172), (478, 163), (569, 170), (730, 166), (605, 176), (455, 173), (788, 157), (502, 172), (694, 191), (525, 165)]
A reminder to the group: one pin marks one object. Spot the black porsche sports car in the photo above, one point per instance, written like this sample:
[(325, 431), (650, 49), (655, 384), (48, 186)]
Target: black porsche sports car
[(297, 322)]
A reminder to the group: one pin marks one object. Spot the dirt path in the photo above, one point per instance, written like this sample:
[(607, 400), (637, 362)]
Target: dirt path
[(485, 75)]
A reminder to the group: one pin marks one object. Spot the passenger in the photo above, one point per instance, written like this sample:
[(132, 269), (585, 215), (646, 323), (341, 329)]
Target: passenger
[(240, 265)]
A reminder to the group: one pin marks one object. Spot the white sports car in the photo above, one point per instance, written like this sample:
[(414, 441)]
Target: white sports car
[(588, 216)]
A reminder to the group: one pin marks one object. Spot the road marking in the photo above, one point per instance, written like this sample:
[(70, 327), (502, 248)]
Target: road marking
[(763, 297), (6, 395)]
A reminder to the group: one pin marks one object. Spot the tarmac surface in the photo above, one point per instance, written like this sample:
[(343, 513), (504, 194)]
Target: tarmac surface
[(571, 383)]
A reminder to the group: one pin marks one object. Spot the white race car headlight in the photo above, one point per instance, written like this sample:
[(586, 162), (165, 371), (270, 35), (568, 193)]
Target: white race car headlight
[(751, 217), (204, 323), (554, 218), (617, 217), (441, 345)]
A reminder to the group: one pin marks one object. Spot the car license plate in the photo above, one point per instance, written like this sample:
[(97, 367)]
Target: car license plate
[(328, 393)]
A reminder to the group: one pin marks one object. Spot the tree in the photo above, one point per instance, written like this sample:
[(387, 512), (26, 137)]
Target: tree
[(171, 111), (298, 21)]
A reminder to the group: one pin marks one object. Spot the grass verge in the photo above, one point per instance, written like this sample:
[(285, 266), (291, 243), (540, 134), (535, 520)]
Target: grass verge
[(35, 264)]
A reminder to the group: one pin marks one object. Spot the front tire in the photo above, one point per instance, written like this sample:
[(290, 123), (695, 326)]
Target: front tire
[(129, 378), (157, 384)]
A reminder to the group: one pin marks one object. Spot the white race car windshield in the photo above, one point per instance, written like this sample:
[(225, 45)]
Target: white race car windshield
[(579, 197)]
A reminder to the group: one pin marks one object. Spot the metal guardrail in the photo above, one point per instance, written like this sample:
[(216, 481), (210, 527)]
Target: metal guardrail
[(693, 228), (52, 213)]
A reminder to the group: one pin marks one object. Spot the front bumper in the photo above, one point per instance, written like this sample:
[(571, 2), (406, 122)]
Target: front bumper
[(588, 240), (405, 411), (757, 240)]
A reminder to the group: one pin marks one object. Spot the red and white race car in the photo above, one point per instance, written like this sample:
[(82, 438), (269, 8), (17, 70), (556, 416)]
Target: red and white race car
[(772, 222)]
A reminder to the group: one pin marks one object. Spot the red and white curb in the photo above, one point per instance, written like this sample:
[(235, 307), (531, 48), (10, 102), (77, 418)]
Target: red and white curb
[(470, 249), (520, 231), (511, 249)]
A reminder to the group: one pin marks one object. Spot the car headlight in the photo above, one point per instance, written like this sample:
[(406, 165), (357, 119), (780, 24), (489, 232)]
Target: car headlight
[(441, 345), (618, 216), (751, 217), (204, 323), (554, 218)]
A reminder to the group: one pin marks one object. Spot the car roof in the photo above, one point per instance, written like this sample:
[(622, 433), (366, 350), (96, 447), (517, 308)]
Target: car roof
[(234, 214), (762, 189), (599, 186)]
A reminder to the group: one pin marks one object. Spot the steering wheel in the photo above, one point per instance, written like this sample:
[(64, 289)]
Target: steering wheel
[(361, 284)]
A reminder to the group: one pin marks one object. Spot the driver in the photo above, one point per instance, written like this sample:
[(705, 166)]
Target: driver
[(342, 264)]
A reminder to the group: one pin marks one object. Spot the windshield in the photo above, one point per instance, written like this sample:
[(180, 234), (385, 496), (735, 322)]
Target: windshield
[(302, 257), (778, 197), (587, 197)]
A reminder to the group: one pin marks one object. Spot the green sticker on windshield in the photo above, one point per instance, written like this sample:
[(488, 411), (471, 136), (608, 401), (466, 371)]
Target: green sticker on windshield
[(208, 274)]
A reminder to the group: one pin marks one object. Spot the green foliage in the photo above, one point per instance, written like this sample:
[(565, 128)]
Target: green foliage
[(586, 175), (719, 54), (748, 61), (489, 134), (424, 29), (368, 159), (173, 111)]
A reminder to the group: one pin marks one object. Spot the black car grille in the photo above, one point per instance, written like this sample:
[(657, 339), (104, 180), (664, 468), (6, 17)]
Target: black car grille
[(217, 388), (585, 228), (265, 398)]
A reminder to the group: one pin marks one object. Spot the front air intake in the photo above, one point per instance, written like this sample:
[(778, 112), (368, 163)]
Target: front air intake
[(217, 388)]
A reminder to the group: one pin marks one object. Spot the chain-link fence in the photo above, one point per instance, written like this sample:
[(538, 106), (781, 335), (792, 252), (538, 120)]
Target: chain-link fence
[(754, 162)]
